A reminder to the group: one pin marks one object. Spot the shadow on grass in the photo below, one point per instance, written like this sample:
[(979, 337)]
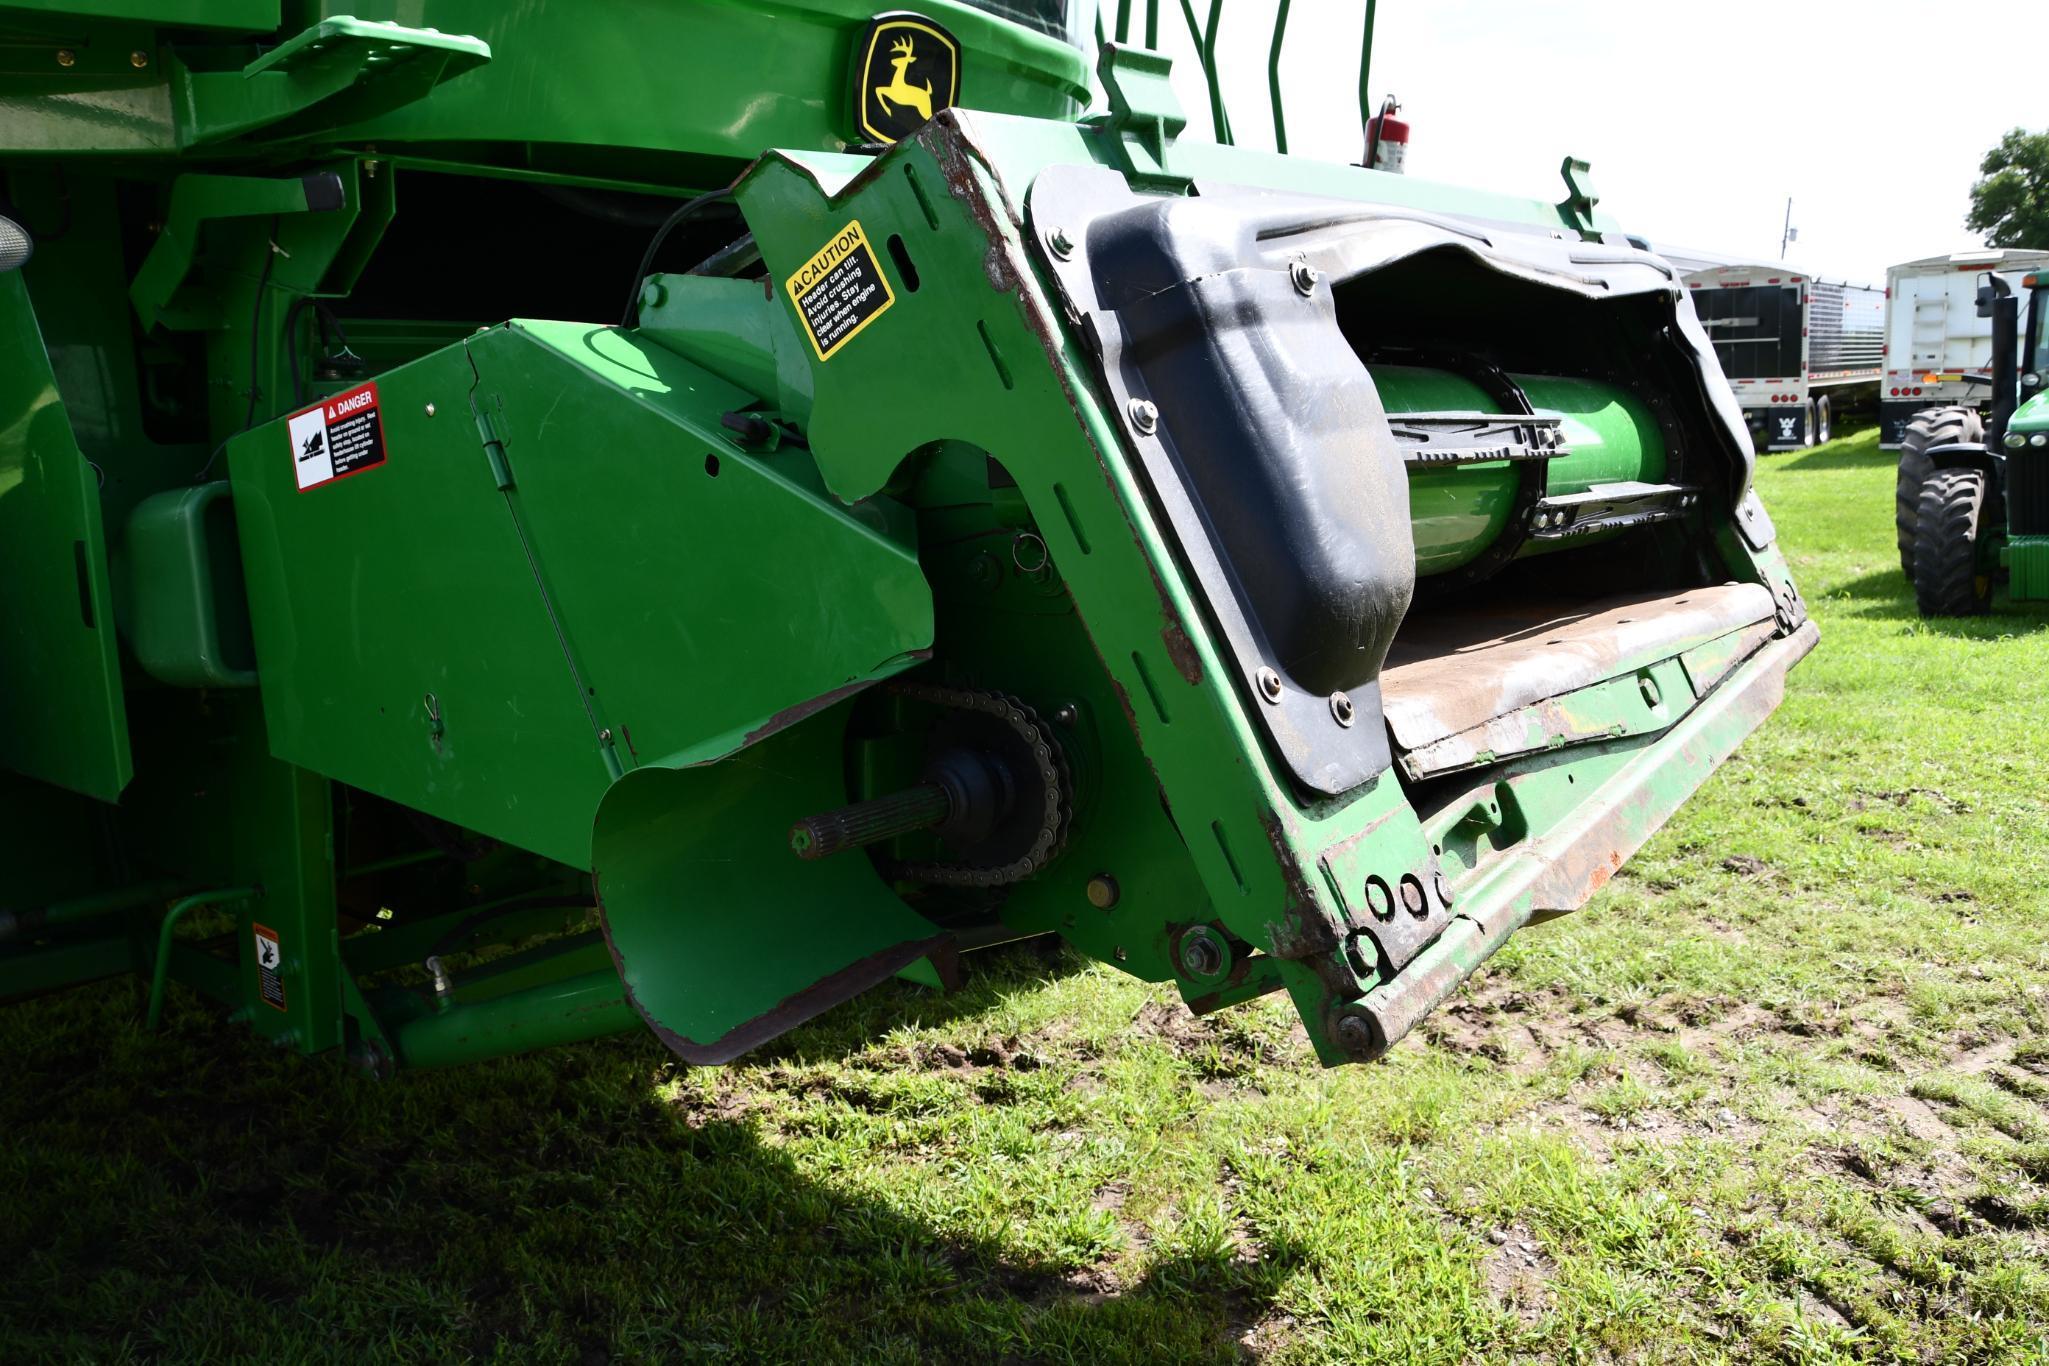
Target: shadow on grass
[(1886, 596), (197, 1195), (1855, 452)]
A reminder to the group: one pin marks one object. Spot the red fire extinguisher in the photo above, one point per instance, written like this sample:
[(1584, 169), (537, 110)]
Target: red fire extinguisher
[(1387, 139)]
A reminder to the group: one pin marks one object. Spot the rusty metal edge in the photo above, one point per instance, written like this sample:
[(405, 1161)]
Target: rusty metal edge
[(1559, 875)]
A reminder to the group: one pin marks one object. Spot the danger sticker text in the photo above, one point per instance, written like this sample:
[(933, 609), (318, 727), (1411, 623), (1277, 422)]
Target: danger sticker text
[(270, 957), (342, 436)]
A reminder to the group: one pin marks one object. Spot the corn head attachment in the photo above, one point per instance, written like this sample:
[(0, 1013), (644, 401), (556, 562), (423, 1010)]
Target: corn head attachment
[(1267, 576)]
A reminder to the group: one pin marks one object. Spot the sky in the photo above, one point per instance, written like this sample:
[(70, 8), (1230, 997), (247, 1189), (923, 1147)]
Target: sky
[(1700, 119)]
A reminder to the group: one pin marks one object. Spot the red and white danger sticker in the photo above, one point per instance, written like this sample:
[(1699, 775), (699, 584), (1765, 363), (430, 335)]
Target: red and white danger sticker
[(270, 964), (342, 436)]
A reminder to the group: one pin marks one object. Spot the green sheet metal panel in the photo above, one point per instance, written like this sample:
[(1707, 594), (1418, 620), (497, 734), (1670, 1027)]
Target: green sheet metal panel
[(720, 80), (237, 15), (415, 626), (60, 671)]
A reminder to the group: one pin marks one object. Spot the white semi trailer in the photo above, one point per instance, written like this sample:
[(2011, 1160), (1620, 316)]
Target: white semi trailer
[(1934, 337), (1797, 350)]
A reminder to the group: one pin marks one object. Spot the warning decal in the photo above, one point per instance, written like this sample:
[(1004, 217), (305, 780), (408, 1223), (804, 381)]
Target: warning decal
[(344, 435), (270, 956), (839, 291)]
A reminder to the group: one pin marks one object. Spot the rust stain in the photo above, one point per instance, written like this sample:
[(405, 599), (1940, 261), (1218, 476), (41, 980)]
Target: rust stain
[(1304, 933)]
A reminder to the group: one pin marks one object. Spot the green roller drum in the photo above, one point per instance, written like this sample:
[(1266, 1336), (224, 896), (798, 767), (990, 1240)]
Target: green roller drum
[(1610, 438), (526, 522)]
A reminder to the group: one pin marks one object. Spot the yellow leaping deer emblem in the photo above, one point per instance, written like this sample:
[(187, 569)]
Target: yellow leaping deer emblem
[(900, 90)]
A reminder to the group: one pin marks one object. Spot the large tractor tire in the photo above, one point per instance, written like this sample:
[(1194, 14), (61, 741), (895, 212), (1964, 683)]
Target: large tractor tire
[(1948, 580), (1933, 427)]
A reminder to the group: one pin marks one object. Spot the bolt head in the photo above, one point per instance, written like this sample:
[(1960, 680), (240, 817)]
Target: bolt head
[(1443, 886), (1413, 899), (1648, 686), (1060, 243), (1201, 955), (1144, 415), (430, 410), (1361, 953), (1304, 277), (138, 59), (1269, 685), (1355, 1033), (1341, 709), (1066, 714), (66, 57), (1104, 893)]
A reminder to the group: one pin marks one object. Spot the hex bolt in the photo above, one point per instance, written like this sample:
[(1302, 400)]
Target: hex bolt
[(1360, 953), (1355, 1034), (1304, 277), (1201, 954), (138, 59), (1648, 686), (1060, 243), (1413, 899), (1269, 685), (1104, 892), (1144, 416), (1341, 708), (66, 57), (444, 985), (430, 410)]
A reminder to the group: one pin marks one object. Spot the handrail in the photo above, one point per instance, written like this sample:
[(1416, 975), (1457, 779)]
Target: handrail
[(1365, 68), (1209, 64), (1202, 35), (160, 970), (1273, 78), (1206, 53)]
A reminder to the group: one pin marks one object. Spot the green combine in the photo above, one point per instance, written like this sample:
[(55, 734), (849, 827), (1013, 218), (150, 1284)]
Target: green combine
[(1973, 490), (522, 522)]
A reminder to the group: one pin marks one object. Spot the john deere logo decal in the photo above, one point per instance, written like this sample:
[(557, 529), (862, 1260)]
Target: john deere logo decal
[(906, 69)]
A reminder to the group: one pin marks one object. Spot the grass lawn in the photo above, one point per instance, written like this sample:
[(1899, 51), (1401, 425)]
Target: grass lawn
[(1781, 1090)]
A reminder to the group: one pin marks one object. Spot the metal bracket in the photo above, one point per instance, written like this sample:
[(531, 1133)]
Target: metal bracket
[(199, 199), (1145, 114), (1609, 507), (1577, 208), (1434, 440), (338, 71)]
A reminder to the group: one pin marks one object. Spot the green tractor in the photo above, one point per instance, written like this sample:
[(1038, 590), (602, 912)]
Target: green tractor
[(1973, 492), (514, 530)]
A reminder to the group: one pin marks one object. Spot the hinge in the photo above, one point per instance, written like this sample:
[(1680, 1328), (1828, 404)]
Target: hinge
[(494, 449)]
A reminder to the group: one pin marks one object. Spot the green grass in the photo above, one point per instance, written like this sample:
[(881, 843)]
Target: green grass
[(1780, 1091)]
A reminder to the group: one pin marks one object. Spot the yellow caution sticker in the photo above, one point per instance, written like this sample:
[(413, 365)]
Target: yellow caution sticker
[(839, 291)]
